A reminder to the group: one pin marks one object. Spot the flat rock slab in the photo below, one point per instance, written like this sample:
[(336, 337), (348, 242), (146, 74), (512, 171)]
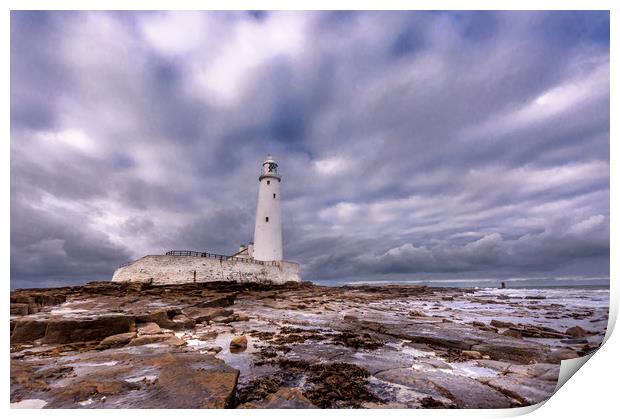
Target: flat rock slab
[(202, 314), (463, 391), (525, 390), (161, 337), (138, 377), (448, 335), (28, 330), (150, 328), (218, 300), (68, 330), (547, 372), (84, 330), (509, 348), (374, 362), (116, 341)]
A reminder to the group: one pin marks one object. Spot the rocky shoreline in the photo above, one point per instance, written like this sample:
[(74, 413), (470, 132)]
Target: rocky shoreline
[(297, 345)]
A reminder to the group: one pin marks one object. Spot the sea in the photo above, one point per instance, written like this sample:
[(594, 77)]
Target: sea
[(532, 283)]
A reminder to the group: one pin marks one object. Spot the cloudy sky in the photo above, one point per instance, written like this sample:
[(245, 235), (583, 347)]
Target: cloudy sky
[(413, 145)]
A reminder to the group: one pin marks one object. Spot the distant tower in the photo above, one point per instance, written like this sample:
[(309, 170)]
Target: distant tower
[(268, 228)]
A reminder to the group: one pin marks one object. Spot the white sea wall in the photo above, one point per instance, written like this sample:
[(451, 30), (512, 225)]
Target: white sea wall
[(164, 269)]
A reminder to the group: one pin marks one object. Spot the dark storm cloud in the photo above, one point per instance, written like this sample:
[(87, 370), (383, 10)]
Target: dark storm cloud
[(413, 144), (55, 248)]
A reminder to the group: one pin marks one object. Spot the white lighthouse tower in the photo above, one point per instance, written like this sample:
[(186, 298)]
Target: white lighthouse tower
[(268, 228)]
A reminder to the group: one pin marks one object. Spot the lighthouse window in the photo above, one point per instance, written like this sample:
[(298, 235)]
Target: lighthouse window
[(267, 219), (274, 195), (268, 182)]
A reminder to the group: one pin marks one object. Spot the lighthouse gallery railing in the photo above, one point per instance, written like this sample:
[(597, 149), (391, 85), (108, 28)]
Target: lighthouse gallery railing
[(220, 257)]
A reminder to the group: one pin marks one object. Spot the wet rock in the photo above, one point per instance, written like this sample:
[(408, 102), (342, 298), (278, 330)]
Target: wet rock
[(500, 366), (312, 350), (238, 343), (83, 330), (58, 350), (536, 371), (541, 370), (419, 346), (183, 380), (464, 392), (471, 354), (200, 314), (224, 319), (35, 300), (135, 286), (372, 361), (27, 378), (284, 398), (206, 335), (92, 388), (576, 332), (148, 339), (449, 335), (28, 331), (501, 324), (181, 321), (350, 318), (150, 328), (160, 317), (221, 300), (523, 389), (162, 337), (551, 375), (437, 363), (19, 309), (537, 331), (116, 341), (512, 333), (484, 326), (505, 348), (574, 341), (175, 341), (241, 317)]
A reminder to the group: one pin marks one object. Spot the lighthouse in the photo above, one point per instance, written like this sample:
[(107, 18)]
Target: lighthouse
[(260, 262), (268, 227)]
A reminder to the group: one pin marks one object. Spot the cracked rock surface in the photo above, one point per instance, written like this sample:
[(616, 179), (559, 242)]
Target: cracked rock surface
[(298, 345)]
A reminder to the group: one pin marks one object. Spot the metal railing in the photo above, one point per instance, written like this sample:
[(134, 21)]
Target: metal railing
[(220, 257), (193, 253), (270, 174)]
